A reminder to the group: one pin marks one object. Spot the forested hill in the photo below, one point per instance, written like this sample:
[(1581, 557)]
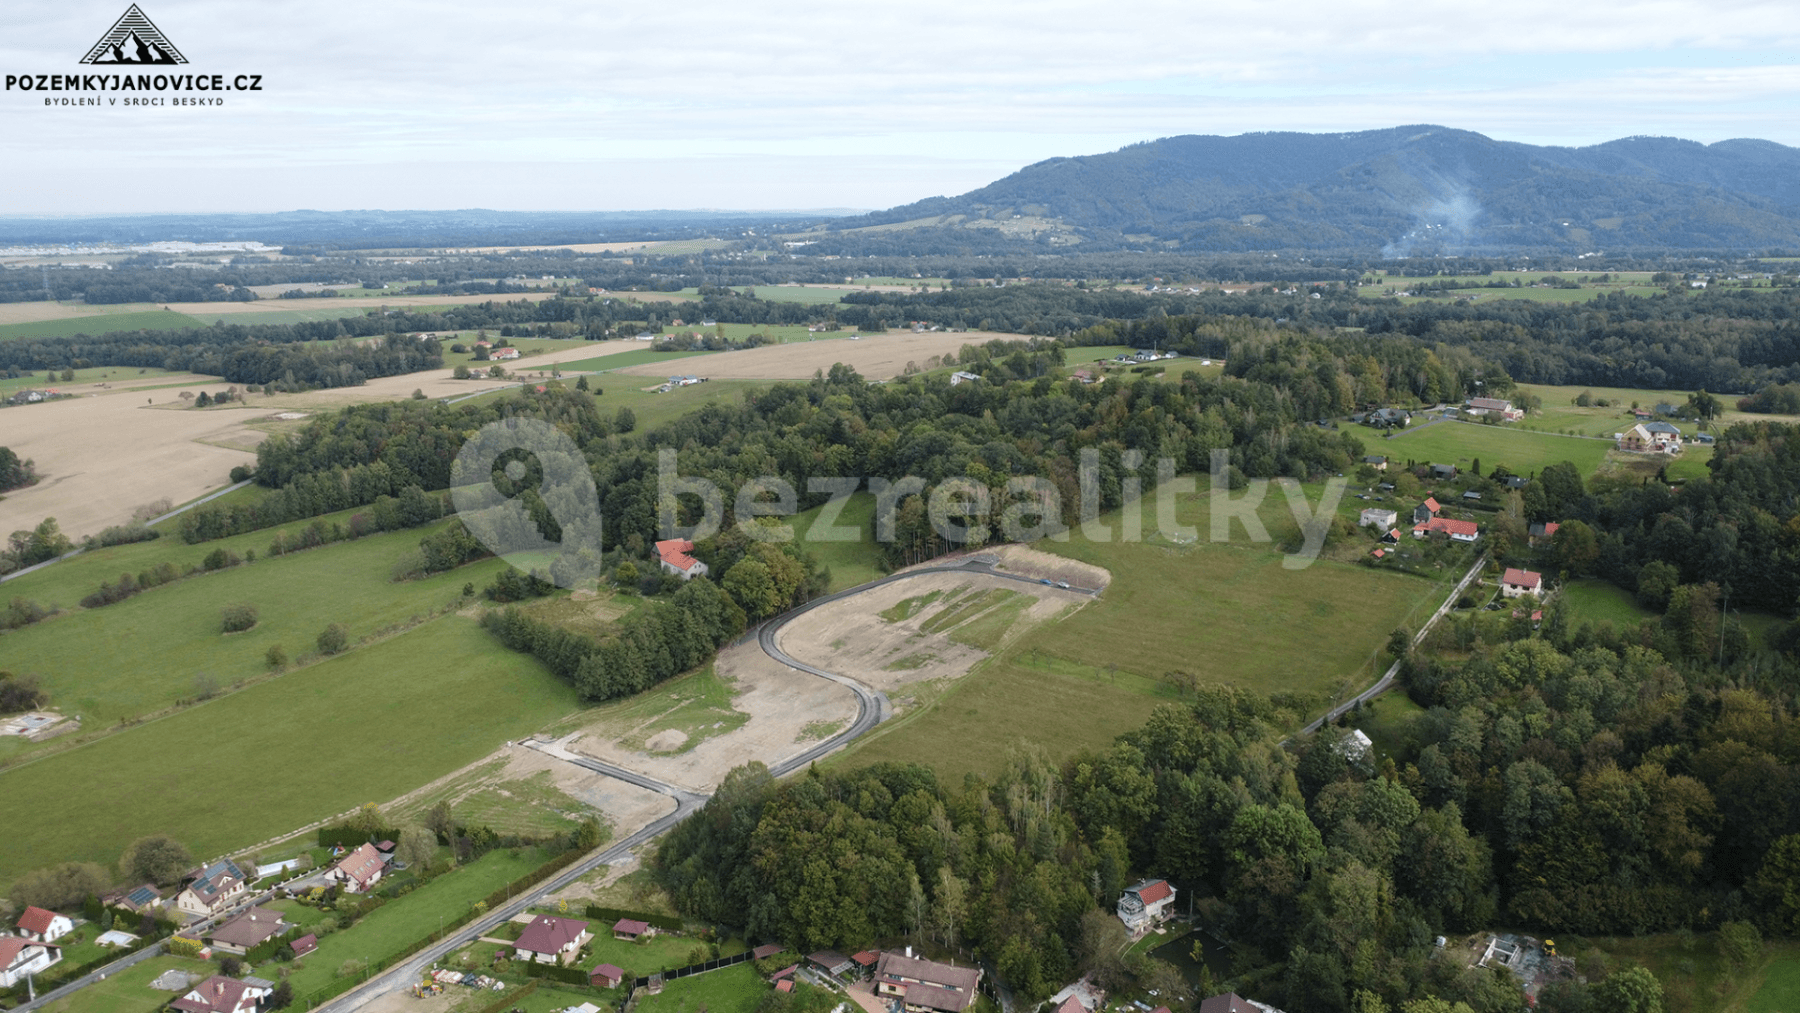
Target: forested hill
[(1408, 190)]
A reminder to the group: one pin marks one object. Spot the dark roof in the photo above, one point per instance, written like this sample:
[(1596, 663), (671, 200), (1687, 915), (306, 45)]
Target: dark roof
[(1230, 1002), (766, 950), (830, 960), (630, 926), (215, 879), (143, 895), (929, 983), (304, 945), (249, 928), (549, 934)]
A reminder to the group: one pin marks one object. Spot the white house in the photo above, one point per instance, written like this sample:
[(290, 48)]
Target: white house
[(219, 994), (1518, 583), (551, 940), (41, 926), (1145, 904), (20, 957), (673, 554), (1495, 406), (962, 377), (360, 869), (216, 888), (1383, 520)]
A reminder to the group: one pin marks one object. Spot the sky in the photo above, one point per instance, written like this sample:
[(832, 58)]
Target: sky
[(749, 104)]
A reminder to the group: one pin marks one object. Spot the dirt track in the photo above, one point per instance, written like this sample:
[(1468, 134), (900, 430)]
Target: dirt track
[(875, 356)]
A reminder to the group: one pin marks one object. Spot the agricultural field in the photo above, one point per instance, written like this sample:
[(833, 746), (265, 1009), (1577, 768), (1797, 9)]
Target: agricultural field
[(875, 356), (1381, 286), (367, 725), (531, 805), (1524, 452), (99, 378), (142, 320)]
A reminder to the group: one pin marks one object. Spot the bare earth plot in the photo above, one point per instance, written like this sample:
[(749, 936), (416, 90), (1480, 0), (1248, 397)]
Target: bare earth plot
[(104, 455), (781, 702), (625, 807), (875, 356)]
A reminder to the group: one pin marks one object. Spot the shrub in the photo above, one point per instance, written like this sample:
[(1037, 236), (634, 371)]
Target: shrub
[(237, 618), (241, 473), (276, 656), (333, 639), (22, 612)]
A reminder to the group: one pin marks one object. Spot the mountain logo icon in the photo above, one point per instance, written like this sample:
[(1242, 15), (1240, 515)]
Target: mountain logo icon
[(134, 40)]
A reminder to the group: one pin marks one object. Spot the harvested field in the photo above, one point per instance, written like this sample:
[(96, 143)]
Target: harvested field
[(778, 700), (102, 456), (935, 626), (875, 356), (439, 383)]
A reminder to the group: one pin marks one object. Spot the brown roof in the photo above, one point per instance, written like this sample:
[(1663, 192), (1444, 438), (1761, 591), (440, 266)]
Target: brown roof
[(866, 957), (36, 920), (362, 865), (217, 994), (1521, 578), (1071, 1005), (609, 972), (929, 983), (765, 950), (631, 926), (785, 985), (1230, 1002), (830, 960), (548, 934), (305, 944), (249, 928), (12, 946)]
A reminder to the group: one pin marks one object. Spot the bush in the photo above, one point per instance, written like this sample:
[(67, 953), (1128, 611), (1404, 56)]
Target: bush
[(333, 639), (20, 693), (241, 473), (22, 612), (276, 656), (237, 618), (219, 559)]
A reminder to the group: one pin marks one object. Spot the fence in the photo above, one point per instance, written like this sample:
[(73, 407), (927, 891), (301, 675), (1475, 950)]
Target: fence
[(692, 969), (610, 915)]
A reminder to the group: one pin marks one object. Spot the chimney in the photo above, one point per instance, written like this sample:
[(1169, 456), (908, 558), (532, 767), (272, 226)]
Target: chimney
[(909, 953)]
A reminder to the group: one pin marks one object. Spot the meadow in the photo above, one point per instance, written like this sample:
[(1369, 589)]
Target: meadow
[(367, 725), (1560, 413), (735, 989), (530, 806), (143, 320), (1599, 601), (141, 378), (1524, 452)]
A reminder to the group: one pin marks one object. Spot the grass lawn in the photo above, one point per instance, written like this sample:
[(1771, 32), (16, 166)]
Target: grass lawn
[(1598, 601), (102, 323), (1560, 413), (1460, 443), (1694, 976), (365, 726), (140, 655), (1779, 991), (405, 920), (129, 991), (1387, 720), (735, 989), (634, 891), (851, 562), (655, 953)]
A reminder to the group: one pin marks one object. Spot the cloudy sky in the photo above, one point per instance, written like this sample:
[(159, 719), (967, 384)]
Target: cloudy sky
[(807, 104)]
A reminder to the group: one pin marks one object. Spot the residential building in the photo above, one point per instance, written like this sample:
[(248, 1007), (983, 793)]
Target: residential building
[(252, 928), (503, 354), (1426, 510), (673, 554), (216, 888), (304, 945), (1231, 1002), (1515, 481), (1515, 583), (219, 994), (630, 928), (926, 985), (1383, 520), (1494, 406), (1459, 531), (1540, 534), (21, 957), (551, 940), (1376, 461), (1385, 418), (1145, 904), (360, 869), (1443, 471), (140, 899), (962, 377), (42, 926)]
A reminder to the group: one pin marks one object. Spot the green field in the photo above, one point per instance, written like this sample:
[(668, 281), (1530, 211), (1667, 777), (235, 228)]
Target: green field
[(102, 323), (129, 991), (851, 563), (138, 656), (1227, 612), (1780, 989), (93, 374), (644, 957), (1560, 413), (1696, 978), (1625, 282), (1600, 601), (804, 294), (1524, 452), (365, 726), (735, 989)]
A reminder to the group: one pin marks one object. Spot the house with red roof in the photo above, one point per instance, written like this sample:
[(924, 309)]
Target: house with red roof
[(1145, 904), (673, 553), (1517, 583), (501, 354), (1459, 531), (785, 985), (360, 869), (305, 944), (551, 940), (42, 926), (21, 957), (219, 994)]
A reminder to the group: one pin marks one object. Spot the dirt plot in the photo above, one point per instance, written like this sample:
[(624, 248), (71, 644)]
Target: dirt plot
[(875, 356), (781, 702), (626, 807), (934, 626), (1029, 562), (103, 456), (439, 382)]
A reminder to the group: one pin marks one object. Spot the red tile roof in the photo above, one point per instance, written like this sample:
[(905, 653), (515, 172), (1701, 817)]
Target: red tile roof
[(866, 957), (1448, 527), (674, 551), (305, 944), (785, 985), (549, 934), (1150, 893), (10, 947), (362, 865), (1431, 501), (1522, 578), (1071, 1005), (36, 920)]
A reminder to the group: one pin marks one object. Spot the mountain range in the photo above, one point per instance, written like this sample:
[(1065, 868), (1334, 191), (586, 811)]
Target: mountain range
[(1404, 190)]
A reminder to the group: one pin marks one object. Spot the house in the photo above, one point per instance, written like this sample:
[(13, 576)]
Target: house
[(1145, 904), (631, 928), (926, 985), (1086, 376), (1515, 481), (831, 962), (219, 994), (785, 985), (1384, 418), (213, 890), (1665, 436), (606, 976), (1459, 531), (252, 928), (1231, 1002), (1539, 534), (304, 945), (20, 957), (1642, 414), (139, 900), (1514, 583), (502, 354), (1493, 406), (1376, 461), (866, 960), (1071, 1005), (359, 870), (1383, 520), (551, 940), (1444, 471), (961, 377), (41, 926), (673, 554), (1426, 510)]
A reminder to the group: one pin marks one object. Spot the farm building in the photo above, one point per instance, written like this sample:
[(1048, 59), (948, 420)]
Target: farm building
[(926, 985), (359, 870), (42, 926), (21, 957), (503, 354), (673, 554), (217, 886), (1516, 583), (551, 940), (1493, 406), (1145, 904)]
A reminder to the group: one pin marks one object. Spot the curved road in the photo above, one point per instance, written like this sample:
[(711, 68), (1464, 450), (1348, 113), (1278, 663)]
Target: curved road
[(872, 708)]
